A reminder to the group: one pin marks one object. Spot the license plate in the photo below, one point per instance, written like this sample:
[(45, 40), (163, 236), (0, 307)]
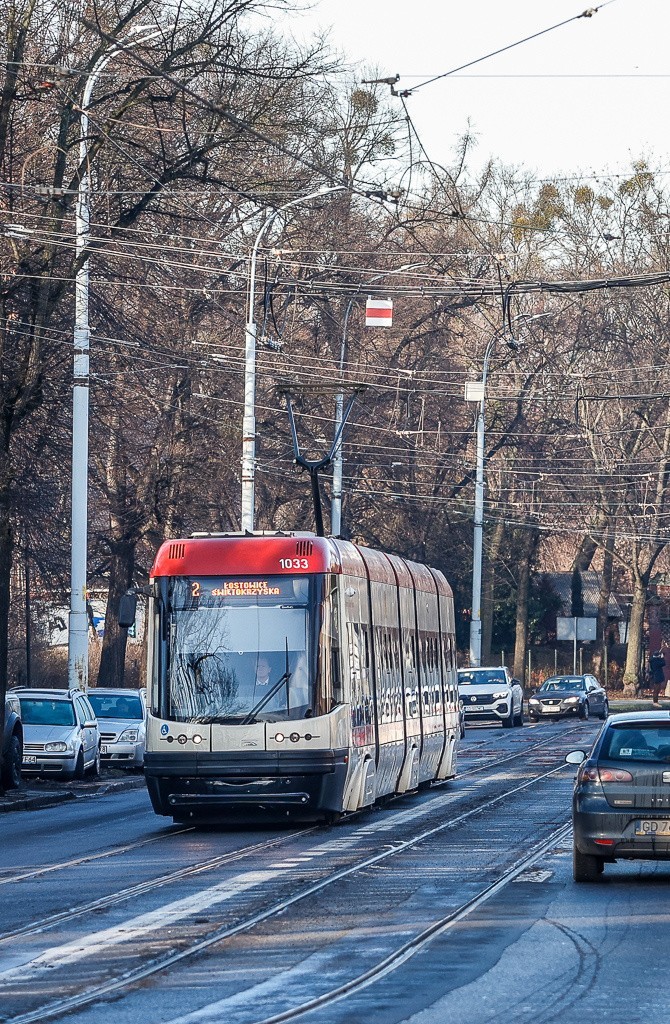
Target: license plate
[(653, 828), (104, 750), (552, 710), (30, 759)]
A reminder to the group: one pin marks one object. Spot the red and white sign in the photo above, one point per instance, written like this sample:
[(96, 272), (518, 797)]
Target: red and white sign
[(378, 312)]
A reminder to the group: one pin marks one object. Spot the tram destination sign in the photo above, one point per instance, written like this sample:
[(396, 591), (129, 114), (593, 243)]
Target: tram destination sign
[(214, 588)]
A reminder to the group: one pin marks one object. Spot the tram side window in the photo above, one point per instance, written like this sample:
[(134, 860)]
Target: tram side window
[(329, 653)]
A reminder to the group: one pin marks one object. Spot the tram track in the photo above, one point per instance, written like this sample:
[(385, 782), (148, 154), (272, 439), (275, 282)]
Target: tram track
[(151, 967), (221, 860), (211, 863), (409, 949)]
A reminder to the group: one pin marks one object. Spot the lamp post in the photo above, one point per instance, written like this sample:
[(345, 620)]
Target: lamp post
[(336, 493), (78, 617), (249, 419), (477, 392)]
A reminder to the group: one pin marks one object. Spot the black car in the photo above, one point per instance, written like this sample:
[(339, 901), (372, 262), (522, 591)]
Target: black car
[(12, 744), (621, 801), (563, 696)]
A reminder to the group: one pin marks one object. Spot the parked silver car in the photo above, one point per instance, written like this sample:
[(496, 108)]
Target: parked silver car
[(60, 733), (122, 716)]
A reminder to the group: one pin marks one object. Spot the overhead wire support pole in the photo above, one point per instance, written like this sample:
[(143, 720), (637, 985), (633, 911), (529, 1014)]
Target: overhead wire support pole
[(336, 493), (78, 615), (247, 519)]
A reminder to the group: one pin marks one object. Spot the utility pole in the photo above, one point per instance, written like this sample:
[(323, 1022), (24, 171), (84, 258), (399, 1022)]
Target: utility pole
[(78, 616), (249, 417)]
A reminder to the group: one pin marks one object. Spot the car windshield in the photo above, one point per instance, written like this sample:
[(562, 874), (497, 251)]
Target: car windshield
[(116, 706), (639, 741), (479, 676), (46, 712), (571, 684)]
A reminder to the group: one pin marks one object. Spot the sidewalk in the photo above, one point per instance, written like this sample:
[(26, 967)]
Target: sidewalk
[(36, 793)]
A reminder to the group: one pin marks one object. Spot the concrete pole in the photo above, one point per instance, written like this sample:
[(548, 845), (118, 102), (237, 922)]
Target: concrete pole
[(336, 493), (77, 667), (247, 518), (478, 537)]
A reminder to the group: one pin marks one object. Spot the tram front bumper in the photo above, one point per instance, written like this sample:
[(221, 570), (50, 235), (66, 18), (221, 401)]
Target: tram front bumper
[(191, 786)]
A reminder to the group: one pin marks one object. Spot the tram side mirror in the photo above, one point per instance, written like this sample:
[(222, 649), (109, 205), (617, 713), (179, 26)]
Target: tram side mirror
[(128, 609)]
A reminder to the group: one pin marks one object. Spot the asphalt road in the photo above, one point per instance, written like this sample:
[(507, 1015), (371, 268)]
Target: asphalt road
[(455, 904)]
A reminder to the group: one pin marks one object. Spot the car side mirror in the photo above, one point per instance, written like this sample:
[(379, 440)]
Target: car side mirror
[(575, 757), (89, 725), (516, 682), (128, 609)]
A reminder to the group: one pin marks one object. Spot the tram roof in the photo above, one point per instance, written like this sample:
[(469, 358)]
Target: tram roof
[(279, 554)]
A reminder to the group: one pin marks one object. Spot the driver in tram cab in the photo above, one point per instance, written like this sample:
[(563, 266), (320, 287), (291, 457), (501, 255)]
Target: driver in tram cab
[(263, 671)]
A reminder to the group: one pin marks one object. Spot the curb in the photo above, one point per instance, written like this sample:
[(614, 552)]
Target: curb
[(43, 800)]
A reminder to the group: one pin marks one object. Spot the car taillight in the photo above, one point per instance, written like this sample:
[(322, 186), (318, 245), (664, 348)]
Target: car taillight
[(590, 773), (614, 775)]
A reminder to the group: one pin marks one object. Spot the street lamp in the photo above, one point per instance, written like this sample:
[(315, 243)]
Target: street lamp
[(249, 420), (78, 617), (476, 392), (336, 492)]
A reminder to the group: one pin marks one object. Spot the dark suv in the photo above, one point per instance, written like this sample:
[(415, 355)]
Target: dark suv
[(12, 743)]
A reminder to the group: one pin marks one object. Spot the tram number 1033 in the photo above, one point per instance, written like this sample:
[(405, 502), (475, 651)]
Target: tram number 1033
[(294, 563)]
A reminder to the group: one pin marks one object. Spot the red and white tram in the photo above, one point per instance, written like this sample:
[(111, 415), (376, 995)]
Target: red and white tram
[(295, 675)]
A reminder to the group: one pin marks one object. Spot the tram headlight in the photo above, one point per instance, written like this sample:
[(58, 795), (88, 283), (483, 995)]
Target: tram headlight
[(279, 737), (196, 738), (294, 737)]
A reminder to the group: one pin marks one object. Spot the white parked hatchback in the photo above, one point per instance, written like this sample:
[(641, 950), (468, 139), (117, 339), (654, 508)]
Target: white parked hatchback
[(122, 715)]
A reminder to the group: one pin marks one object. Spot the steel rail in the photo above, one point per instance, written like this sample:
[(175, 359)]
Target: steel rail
[(405, 952), (161, 963), (122, 895)]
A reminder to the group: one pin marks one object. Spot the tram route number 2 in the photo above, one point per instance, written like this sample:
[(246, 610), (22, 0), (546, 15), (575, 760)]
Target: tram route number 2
[(294, 563)]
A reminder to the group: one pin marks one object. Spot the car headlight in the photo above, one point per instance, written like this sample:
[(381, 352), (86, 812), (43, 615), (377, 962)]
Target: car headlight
[(501, 693), (571, 700), (58, 747), (129, 736), (533, 700)]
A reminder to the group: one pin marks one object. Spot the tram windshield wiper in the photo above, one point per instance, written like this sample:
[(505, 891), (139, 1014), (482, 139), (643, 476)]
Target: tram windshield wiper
[(284, 679)]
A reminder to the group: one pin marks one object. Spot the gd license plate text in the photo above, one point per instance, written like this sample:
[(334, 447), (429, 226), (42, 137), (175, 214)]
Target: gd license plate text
[(652, 828)]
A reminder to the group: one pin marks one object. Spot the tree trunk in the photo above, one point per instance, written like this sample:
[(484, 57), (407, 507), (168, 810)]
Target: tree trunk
[(115, 639), (603, 604), (6, 549), (488, 590), (631, 675), (523, 587)]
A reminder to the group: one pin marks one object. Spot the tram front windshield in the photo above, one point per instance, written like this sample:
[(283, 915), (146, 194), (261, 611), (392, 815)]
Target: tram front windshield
[(239, 650)]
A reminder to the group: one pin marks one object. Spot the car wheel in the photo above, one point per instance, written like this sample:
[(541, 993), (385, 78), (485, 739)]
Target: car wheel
[(507, 723), (518, 719), (586, 867), (11, 772), (532, 718), (584, 711), (606, 710), (94, 770), (79, 766)]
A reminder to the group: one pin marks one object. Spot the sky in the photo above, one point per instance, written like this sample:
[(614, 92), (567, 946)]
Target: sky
[(587, 98)]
